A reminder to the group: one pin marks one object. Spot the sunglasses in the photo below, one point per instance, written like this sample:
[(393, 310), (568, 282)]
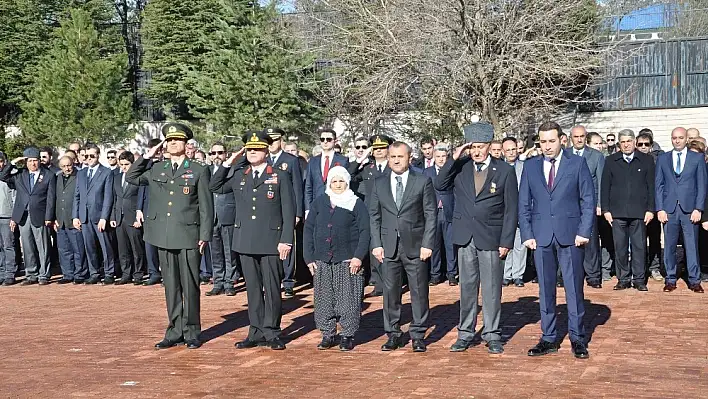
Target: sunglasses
[(327, 139), (173, 139), (217, 153), (610, 139), (361, 147), (92, 156), (643, 145), (111, 157)]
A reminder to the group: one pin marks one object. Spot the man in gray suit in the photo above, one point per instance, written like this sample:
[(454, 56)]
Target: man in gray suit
[(515, 264), (596, 162), (403, 222)]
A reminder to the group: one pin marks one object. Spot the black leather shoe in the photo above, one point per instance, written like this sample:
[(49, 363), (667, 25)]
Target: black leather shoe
[(452, 281), (669, 287), (247, 344), (193, 344), (460, 345), (560, 284), (276, 344), (231, 291), (419, 346), (621, 286), (326, 343), (138, 281), (215, 291), (696, 288), (28, 282), (640, 287), (204, 280), (543, 348), (153, 281), (535, 280), (373, 294), (434, 282), (519, 282), (43, 282), (495, 347), (78, 281), (8, 282), (65, 281), (392, 344), (506, 282), (580, 351), (346, 344), (92, 281), (595, 285), (289, 293), (122, 282), (166, 343), (109, 281)]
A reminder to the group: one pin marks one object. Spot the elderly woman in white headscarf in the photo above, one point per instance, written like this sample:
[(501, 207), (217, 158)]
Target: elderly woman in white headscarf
[(336, 240)]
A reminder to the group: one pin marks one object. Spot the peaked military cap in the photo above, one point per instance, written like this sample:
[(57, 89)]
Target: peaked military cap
[(177, 131), (275, 132), (257, 139), (479, 132), (380, 141)]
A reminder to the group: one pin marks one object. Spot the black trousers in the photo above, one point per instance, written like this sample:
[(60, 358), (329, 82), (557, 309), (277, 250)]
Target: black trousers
[(654, 259), (593, 258), (180, 273), (263, 274), (392, 271), (626, 231), (131, 251)]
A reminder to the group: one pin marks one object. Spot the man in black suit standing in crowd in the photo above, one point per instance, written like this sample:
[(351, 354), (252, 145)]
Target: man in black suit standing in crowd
[(70, 241), (403, 217), (483, 229)]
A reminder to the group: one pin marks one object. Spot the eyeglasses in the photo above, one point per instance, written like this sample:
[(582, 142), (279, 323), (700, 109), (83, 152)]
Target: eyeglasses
[(361, 147), (92, 156), (643, 145), (327, 139), (217, 153)]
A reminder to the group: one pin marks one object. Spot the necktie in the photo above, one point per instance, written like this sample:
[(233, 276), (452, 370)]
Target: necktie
[(577, 152), (272, 160), (628, 159), (479, 166), (380, 168), (90, 174), (125, 184), (326, 169), (255, 175), (552, 173), (678, 163), (175, 166), (399, 191), (31, 181)]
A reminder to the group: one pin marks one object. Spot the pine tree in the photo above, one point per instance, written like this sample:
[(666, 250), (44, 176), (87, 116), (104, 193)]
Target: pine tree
[(78, 90), (252, 76)]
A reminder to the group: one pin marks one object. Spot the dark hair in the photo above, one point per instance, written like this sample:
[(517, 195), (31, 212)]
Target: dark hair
[(590, 135), (495, 142), (70, 151), (611, 134), (92, 146), (426, 140), (697, 145), (645, 135), (648, 131), (219, 143), (361, 139), (291, 143), (398, 144), (111, 151), (512, 139), (154, 142), (334, 134), (126, 155), (50, 150), (200, 152), (550, 125)]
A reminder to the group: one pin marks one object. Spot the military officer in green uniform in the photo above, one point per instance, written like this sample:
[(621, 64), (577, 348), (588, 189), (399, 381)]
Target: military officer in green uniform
[(179, 223), (263, 233)]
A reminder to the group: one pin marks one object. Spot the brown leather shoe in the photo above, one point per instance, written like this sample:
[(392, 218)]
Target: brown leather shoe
[(669, 287), (696, 288)]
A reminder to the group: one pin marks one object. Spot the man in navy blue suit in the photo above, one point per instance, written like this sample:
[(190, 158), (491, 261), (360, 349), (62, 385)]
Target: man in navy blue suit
[(319, 166), (93, 203), (556, 216), (445, 203), (680, 195)]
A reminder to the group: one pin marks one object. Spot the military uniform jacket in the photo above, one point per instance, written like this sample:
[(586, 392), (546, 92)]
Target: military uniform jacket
[(181, 210), (265, 212), (363, 177)]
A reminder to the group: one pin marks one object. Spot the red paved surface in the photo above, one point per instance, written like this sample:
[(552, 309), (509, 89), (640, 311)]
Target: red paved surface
[(93, 341)]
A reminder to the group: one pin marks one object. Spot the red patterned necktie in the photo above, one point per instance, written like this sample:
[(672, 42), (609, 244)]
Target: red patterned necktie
[(552, 173), (326, 168)]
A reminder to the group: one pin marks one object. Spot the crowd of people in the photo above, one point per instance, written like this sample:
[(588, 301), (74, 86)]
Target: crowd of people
[(559, 210)]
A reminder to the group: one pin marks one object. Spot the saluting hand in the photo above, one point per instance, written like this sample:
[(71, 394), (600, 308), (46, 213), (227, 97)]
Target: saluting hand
[(234, 156), (151, 152), (460, 150)]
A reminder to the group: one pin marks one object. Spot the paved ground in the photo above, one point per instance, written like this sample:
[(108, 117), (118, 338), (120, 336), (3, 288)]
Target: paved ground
[(93, 341)]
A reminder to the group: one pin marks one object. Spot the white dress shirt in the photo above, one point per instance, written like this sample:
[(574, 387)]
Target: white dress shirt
[(260, 168), (576, 152), (381, 166), (274, 157), (485, 163), (547, 166), (404, 181)]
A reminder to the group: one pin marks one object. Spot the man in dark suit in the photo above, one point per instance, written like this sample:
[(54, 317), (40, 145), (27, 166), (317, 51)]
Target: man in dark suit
[(127, 200), (153, 258), (179, 223), (263, 234), (426, 160), (628, 205), (364, 171), (45, 158), (515, 264), (556, 215), (483, 229), (445, 203), (223, 259), (403, 217), (319, 166), (33, 212), (680, 195), (93, 203), (289, 164), (70, 241), (596, 161)]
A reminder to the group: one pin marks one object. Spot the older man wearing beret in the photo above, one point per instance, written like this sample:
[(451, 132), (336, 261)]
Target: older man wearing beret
[(483, 229), (33, 212)]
